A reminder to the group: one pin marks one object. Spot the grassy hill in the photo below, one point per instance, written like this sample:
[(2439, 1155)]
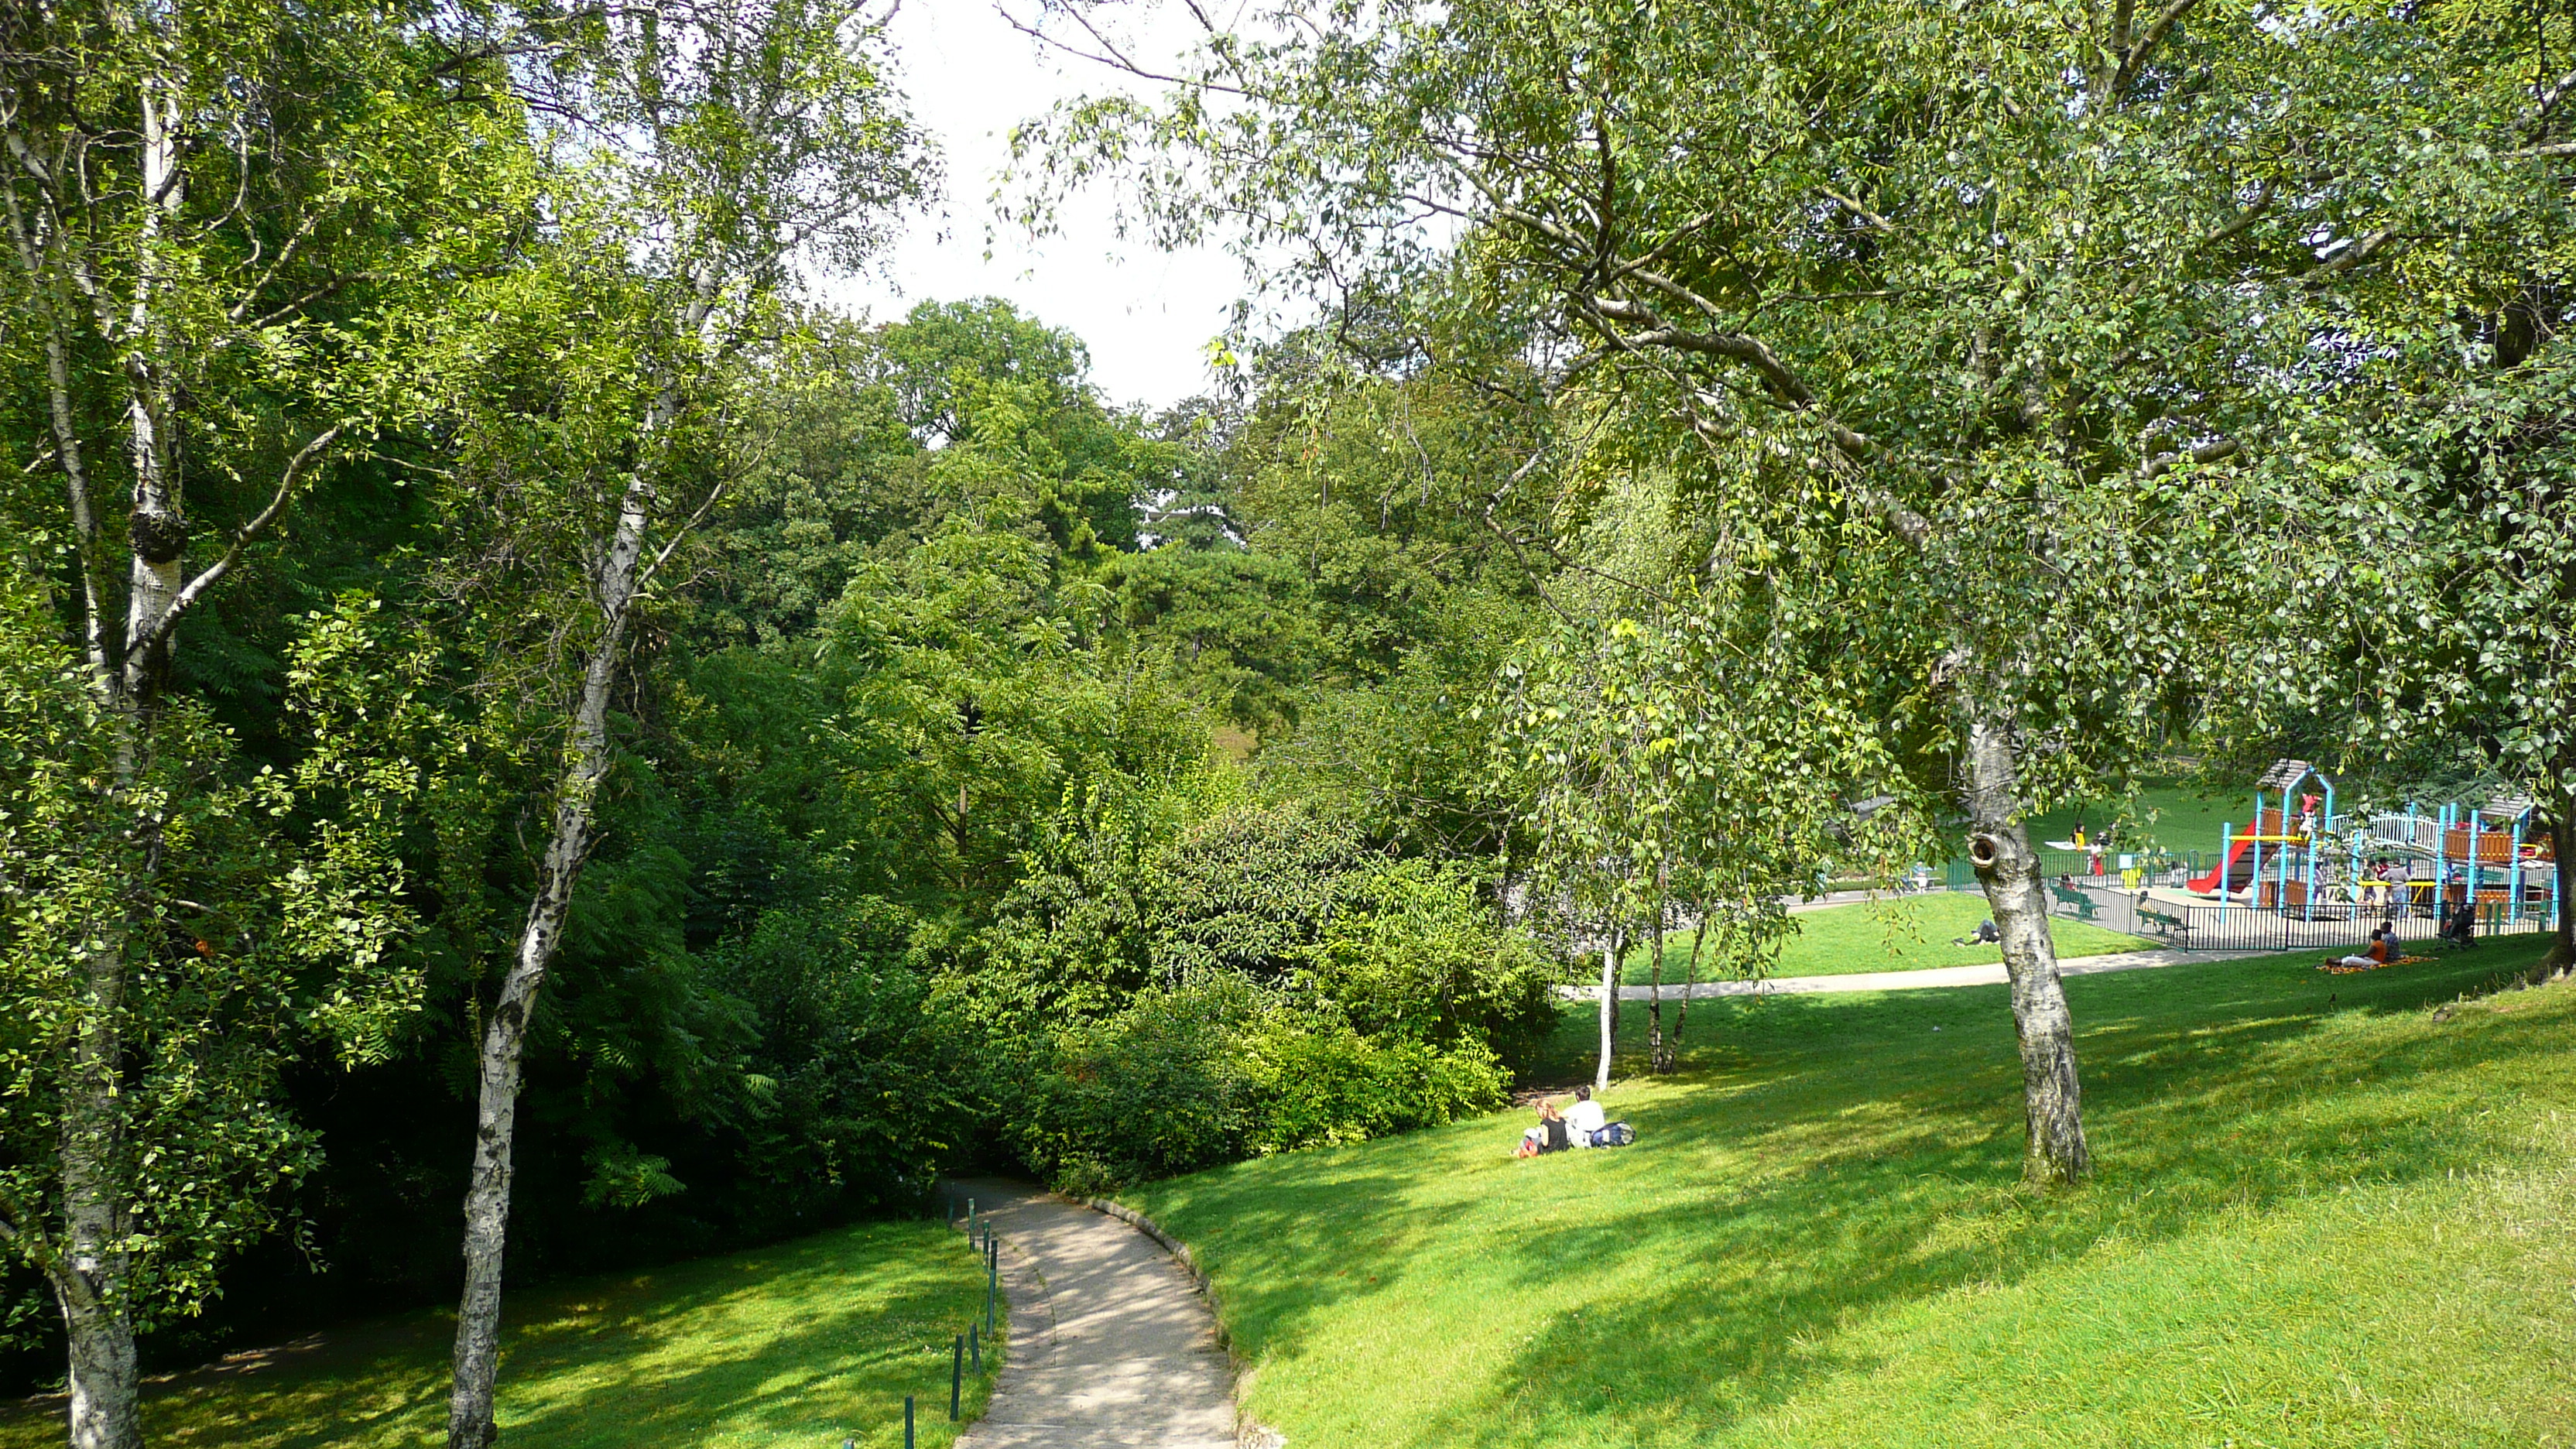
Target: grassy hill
[(804, 1344), (2324, 1214), (2166, 812), (1907, 933)]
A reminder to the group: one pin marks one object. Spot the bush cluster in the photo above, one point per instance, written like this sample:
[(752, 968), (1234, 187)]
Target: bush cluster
[(1328, 995)]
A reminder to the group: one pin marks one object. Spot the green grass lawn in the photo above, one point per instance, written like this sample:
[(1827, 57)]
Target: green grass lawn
[(805, 1343), (2320, 1217), (2166, 813), (1907, 933)]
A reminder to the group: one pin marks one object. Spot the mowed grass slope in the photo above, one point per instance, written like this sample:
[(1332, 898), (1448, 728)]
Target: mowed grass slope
[(1899, 933), (2320, 1217), (2166, 812), (805, 1344)]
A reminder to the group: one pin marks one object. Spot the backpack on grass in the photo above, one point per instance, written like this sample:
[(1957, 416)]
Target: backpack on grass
[(1615, 1134)]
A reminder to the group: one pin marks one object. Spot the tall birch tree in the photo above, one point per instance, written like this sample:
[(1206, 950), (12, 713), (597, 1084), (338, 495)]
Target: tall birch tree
[(709, 150), (217, 216)]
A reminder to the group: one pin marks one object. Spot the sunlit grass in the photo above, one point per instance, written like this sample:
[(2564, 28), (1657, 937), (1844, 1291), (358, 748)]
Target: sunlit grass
[(805, 1343), (2167, 814), (2320, 1217), (1904, 933)]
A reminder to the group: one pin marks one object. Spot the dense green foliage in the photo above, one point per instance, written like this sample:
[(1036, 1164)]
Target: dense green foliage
[(455, 578), (919, 850)]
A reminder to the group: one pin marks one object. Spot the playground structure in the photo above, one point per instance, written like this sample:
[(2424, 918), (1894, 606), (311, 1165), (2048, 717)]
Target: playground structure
[(2298, 857)]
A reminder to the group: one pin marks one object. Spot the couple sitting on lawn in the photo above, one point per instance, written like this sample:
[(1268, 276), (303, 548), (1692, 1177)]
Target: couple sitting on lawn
[(2383, 948), (1580, 1125)]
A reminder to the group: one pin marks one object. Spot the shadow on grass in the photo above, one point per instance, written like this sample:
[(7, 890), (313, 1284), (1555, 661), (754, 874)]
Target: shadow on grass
[(1824, 1160), (792, 1344)]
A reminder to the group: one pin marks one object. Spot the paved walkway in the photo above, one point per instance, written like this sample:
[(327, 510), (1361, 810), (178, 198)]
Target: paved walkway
[(1924, 980), (1110, 1347)]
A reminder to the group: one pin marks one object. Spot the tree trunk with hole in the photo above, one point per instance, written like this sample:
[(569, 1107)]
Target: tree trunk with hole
[(1999, 847), (487, 1196)]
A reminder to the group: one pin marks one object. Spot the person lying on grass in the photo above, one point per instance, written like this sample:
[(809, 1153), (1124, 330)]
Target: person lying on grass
[(1984, 935)]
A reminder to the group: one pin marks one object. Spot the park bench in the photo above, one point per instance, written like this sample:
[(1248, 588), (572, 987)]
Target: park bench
[(2075, 901), (2166, 924)]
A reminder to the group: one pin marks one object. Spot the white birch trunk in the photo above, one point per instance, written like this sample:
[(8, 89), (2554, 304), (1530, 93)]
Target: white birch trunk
[(1609, 1012), (91, 1279), (487, 1196), (1999, 847), (159, 525)]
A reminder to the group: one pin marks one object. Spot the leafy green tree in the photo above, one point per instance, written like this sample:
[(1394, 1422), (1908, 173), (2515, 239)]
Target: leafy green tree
[(2444, 569), (1682, 755), (1953, 317), (2459, 593), (719, 149), (1239, 626), (224, 225), (1248, 890)]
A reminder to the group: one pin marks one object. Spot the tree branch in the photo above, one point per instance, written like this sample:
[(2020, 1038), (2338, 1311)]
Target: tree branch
[(2209, 452), (1735, 347), (2136, 55), (2252, 213), (1875, 222), (2348, 258), (195, 588)]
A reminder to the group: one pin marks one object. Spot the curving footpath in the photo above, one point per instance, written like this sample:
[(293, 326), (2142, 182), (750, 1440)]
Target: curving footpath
[(1927, 979), (1111, 1347)]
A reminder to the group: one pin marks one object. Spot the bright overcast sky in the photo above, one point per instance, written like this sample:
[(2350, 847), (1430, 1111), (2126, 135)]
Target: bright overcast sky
[(1146, 314)]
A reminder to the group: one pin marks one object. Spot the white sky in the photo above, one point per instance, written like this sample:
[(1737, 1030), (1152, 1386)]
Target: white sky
[(1146, 314)]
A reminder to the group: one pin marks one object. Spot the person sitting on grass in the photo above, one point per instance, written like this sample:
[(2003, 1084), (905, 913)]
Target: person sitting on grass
[(2381, 950), (1584, 1117), (2461, 929), (1548, 1136), (1984, 935)]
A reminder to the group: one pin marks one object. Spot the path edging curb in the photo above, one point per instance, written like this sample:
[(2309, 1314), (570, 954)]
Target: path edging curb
[(1252, 1432)]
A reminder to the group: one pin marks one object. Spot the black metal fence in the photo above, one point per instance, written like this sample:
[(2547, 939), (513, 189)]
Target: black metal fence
[(2124, 869), (2236, 927)]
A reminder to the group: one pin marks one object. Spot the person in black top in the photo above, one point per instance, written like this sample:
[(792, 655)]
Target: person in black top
[(1548, 1136)]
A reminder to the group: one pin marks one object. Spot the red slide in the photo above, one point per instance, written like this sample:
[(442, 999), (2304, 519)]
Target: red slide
[(2241, 853)]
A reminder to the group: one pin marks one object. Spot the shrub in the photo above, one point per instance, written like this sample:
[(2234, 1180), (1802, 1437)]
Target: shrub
[(1154, 1090), (1322, 1082), (1414, 954), (1247, 891)]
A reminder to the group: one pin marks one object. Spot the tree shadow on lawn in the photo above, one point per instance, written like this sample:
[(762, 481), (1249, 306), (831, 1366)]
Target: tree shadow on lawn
[(1674, 1288), (809, 1375), (578, 1365)]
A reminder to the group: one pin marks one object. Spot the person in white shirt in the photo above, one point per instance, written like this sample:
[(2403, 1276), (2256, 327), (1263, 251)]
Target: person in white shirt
[(1583, 1118)]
